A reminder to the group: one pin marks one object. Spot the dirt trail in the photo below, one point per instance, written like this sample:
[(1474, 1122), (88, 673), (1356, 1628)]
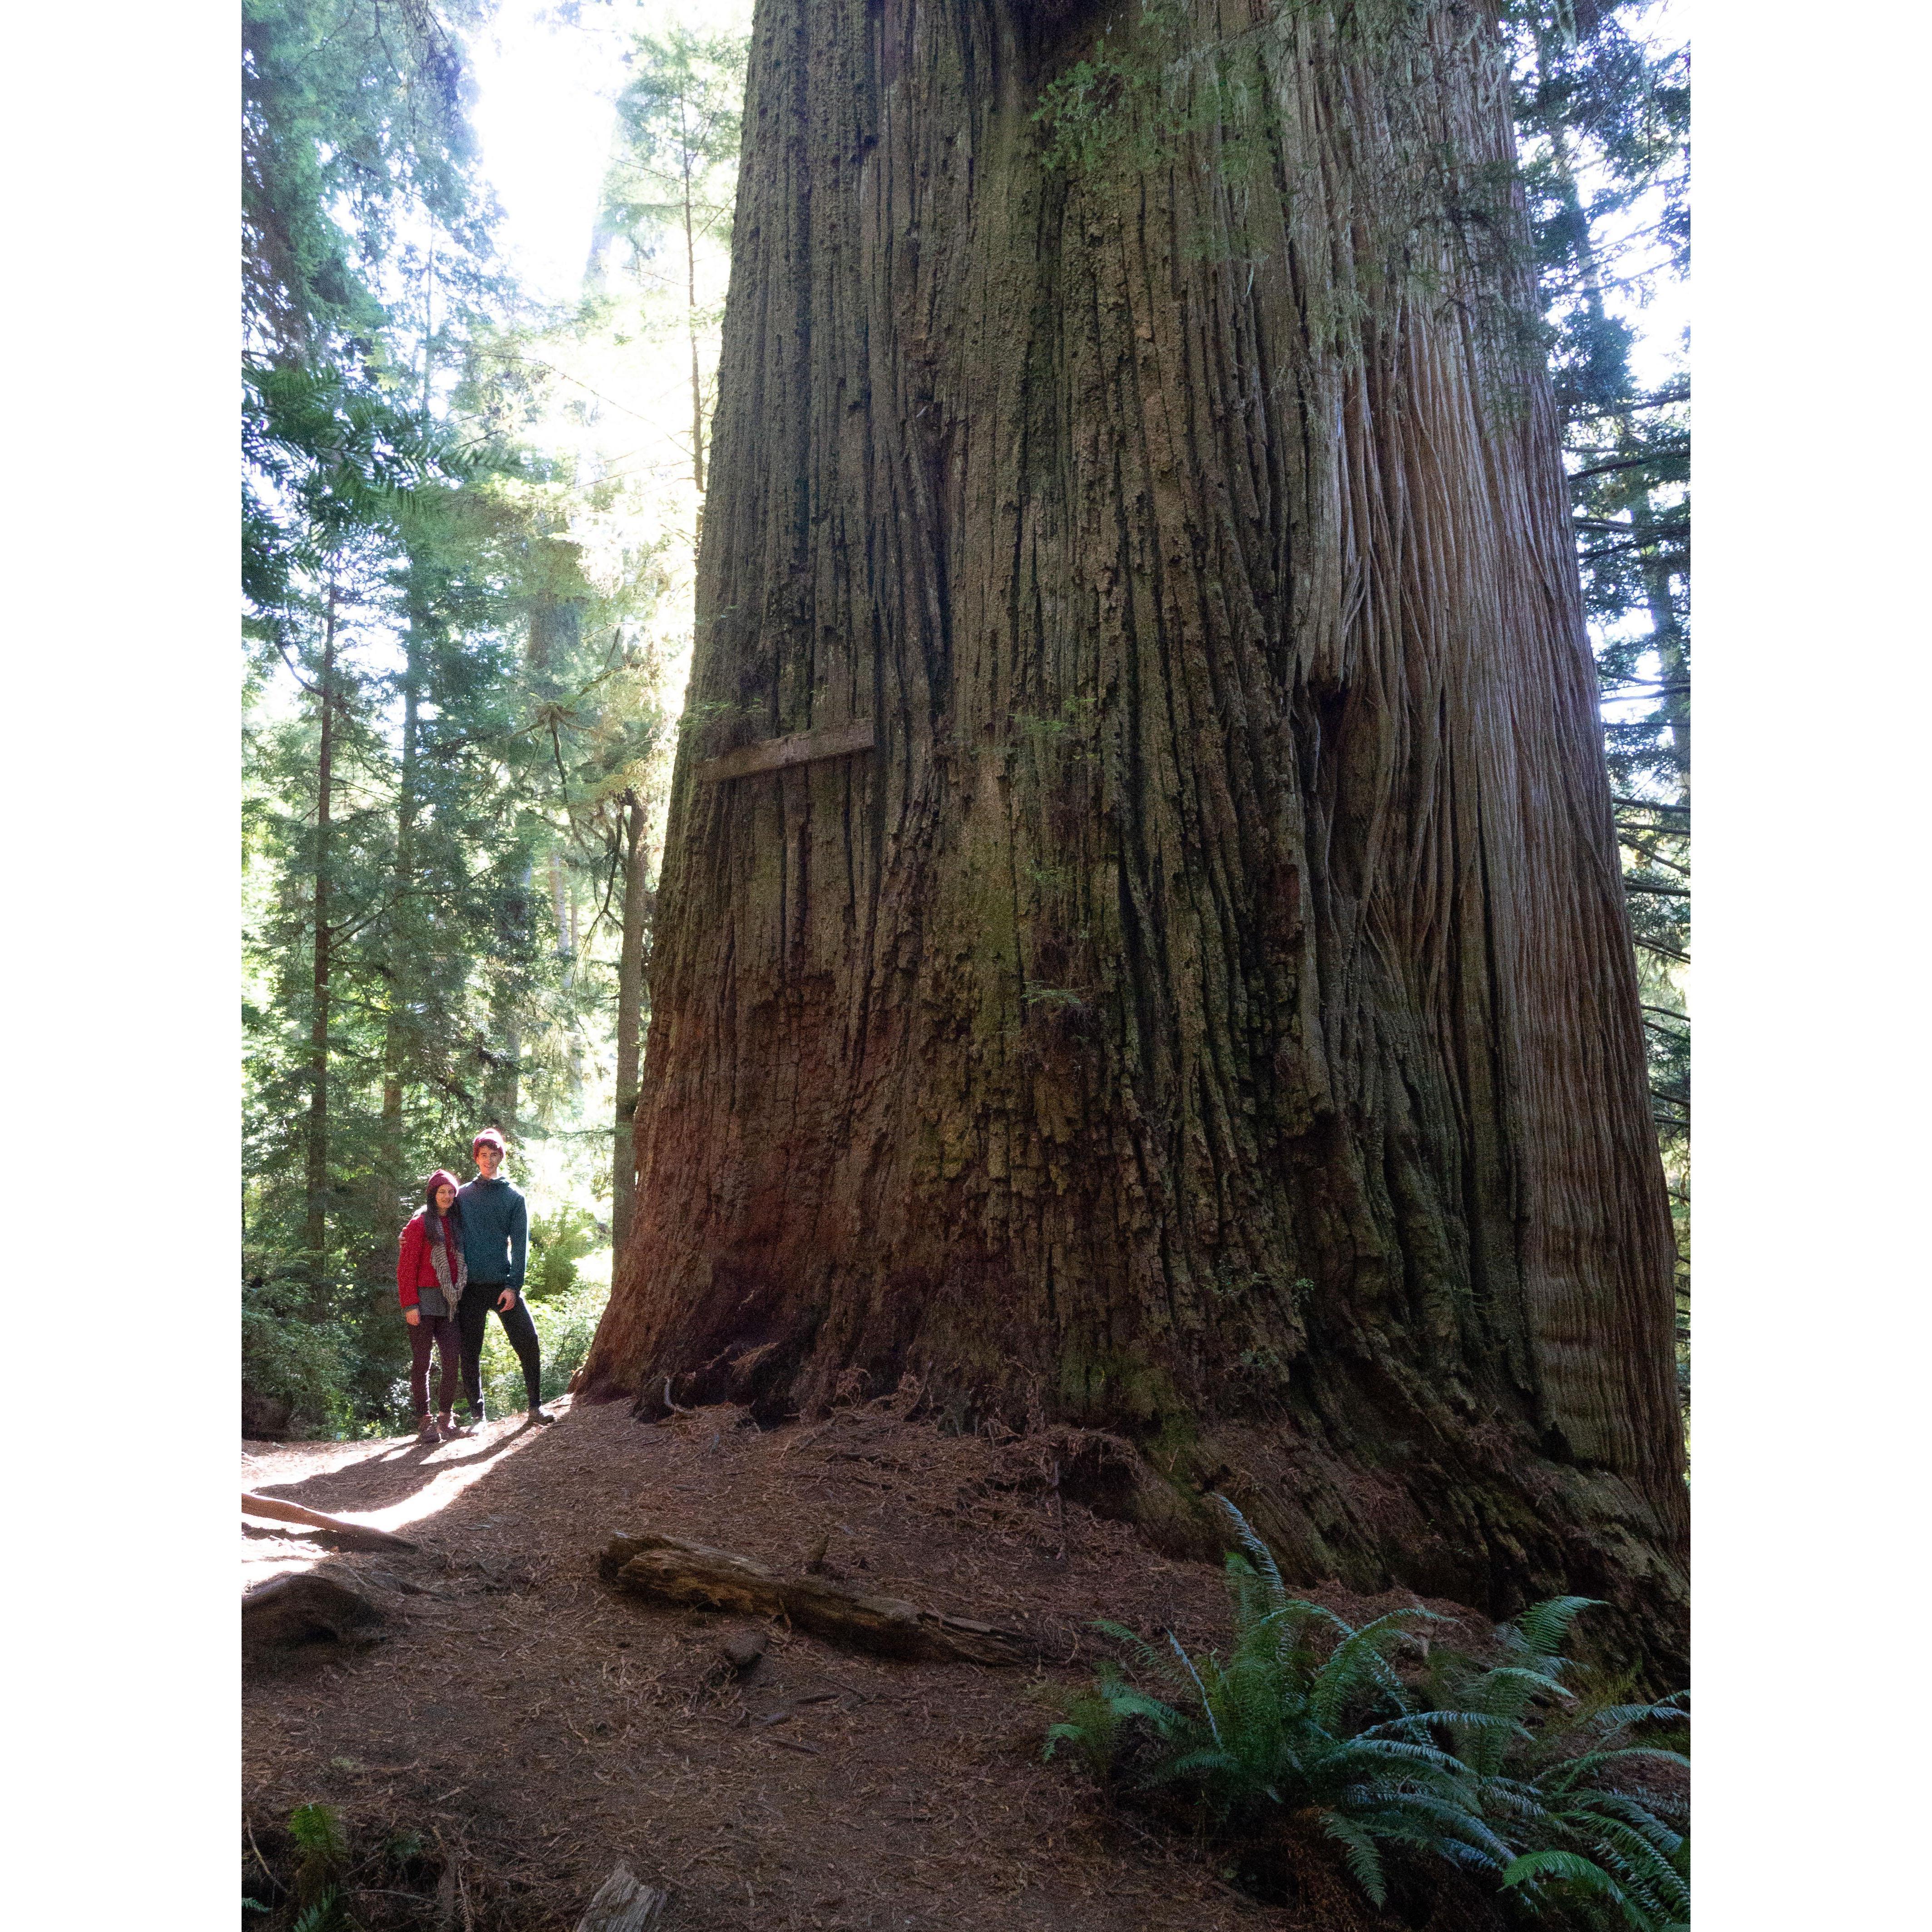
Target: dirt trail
[(537, 1726)]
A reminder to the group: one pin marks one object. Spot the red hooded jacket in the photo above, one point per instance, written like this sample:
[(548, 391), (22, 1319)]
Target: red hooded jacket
[(416, 1269)]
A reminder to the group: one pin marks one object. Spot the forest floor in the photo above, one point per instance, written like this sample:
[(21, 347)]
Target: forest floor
[(532, 1725)]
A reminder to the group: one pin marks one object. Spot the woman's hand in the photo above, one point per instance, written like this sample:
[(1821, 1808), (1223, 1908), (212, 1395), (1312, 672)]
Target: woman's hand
[(412, 1316)]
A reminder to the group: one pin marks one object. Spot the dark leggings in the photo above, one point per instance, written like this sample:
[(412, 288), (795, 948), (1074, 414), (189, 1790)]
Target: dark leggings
[(472, 1315), (441, 1335)]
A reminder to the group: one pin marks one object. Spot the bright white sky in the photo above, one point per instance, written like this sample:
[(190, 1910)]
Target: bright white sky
[(544, 117)]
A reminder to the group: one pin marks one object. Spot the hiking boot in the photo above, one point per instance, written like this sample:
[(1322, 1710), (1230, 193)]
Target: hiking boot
[(451, 1427), (538, 1415), (448, 1425), (426, 1432)]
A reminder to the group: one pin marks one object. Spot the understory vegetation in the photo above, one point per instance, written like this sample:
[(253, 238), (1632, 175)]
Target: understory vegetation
[(314, 1875), (464, 620), (1405, 1753)]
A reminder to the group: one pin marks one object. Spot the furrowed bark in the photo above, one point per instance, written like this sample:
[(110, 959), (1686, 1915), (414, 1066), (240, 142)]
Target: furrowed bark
[(1206, 1012)]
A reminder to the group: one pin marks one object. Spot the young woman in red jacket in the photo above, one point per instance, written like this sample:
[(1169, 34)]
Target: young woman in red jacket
[(430, 1280)]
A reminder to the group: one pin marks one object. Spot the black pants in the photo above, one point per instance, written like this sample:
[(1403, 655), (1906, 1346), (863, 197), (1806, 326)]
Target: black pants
[(472, 1315)]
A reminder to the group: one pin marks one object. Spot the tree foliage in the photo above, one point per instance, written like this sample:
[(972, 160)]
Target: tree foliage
[(444, 695)]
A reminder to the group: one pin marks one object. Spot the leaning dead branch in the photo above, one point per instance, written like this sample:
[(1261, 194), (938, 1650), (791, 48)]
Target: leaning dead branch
[(279, 1511)]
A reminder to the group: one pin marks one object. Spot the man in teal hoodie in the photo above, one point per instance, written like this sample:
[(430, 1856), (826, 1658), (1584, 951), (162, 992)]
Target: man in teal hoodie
[(496, 1231)]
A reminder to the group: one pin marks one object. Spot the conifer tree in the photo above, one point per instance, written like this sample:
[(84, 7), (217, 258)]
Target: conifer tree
[(408, 767), (1208, 1004)]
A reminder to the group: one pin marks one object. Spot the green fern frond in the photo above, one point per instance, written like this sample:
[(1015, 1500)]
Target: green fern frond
[(1572, 1771), (1514, 1687), (1359, 1665), (1358, 1849), (1149, 1659), (1543, 1626), (1259, 1554), (1569, 1867), (317, 1831), (324, 1916)]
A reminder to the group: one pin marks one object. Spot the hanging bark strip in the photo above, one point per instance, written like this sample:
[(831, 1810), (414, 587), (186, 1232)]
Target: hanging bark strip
[(1208, 1014)]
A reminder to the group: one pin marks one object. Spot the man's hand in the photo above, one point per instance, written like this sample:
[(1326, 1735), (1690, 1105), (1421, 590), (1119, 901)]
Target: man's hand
[(412, 1316), (506, 1301)]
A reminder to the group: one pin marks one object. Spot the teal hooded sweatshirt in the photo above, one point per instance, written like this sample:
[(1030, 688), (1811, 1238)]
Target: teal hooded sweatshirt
[(495, 1230)]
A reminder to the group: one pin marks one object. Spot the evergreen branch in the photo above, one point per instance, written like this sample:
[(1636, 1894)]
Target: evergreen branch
[(1662, 400), (1631, 462), (1650, 858)]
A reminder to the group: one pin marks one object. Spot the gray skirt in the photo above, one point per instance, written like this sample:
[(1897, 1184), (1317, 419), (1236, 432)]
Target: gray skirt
[(437, 1303)]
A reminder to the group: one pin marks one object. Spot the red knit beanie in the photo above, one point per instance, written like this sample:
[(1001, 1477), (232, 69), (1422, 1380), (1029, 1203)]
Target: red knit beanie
[(442, 1178)]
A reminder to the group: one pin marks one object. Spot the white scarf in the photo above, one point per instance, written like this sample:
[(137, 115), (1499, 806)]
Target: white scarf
[(439, 1252)]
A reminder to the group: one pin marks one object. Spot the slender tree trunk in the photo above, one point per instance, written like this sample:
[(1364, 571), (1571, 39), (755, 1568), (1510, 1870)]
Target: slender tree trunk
[(1209, 1010), (558, 906), (1673, 659), (503, 1093), (316, 1227), (630, 1006), (402, 927)]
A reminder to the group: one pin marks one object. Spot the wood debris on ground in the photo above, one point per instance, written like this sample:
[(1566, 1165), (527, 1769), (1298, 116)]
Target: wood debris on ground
[(541, 1725)]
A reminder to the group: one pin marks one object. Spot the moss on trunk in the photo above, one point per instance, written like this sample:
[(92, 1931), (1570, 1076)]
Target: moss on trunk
[(1207, 1015)]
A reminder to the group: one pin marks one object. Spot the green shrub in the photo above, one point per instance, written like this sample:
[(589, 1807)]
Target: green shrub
[(1478, 1764), (565, 1324), (287, 1356), (321, 1851), (1596, 1843), (558, 1242), (1306, 1714)]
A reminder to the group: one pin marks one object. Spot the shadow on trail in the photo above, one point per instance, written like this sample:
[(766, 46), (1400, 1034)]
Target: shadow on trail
[(380, 1482), (406, 1483)]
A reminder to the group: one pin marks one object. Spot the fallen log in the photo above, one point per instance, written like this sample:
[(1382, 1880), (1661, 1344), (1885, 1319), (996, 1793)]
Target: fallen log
[(279, 1511), (693, 1573), (624, 1903), (292, 1611)]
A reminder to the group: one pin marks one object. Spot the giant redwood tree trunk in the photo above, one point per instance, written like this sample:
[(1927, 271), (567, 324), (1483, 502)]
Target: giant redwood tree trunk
[(1207, 1011)]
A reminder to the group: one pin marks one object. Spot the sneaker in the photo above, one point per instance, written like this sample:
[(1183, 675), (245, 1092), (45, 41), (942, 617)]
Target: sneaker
[(426, 1432)]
